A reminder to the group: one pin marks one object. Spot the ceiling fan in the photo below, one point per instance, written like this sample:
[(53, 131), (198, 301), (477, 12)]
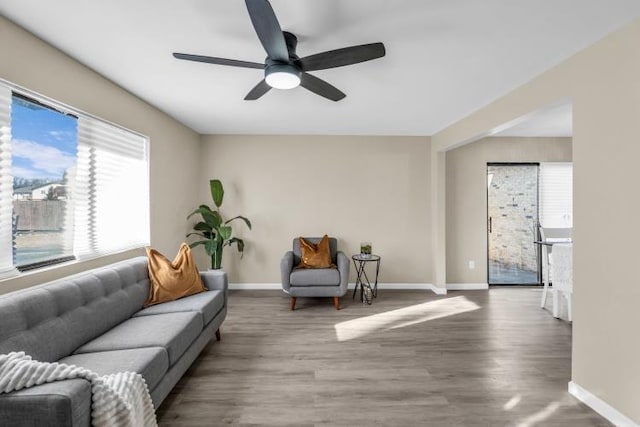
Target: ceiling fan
[(283, 69)]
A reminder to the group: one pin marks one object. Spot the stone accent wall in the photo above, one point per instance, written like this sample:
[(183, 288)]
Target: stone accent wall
[(513, 199)]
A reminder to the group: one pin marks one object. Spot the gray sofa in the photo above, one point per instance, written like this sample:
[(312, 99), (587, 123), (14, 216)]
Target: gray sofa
[(96, 320)]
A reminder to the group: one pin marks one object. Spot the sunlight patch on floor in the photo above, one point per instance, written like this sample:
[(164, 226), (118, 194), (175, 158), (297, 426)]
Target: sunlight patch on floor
[(540, 416), (403, 317), (512, 403)]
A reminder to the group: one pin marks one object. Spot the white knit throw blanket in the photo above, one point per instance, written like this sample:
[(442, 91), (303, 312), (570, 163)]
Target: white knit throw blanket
[(119, 400)]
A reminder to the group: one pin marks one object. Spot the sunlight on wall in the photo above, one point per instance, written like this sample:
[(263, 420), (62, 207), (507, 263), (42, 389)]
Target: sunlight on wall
[(403, 317)]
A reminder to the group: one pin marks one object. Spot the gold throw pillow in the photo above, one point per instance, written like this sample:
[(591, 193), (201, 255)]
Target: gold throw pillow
[(168, 280), (315, 256)]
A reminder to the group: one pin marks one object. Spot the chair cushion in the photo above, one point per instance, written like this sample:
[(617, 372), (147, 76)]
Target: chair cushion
[(150, 362), (315, 255), (333, 248), (173, 331), (172, 280), (315, 277), (208, 304)]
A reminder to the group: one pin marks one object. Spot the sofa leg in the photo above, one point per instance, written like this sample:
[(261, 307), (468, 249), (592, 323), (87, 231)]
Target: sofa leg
[(218, 337), (336, 302), (293, 303)]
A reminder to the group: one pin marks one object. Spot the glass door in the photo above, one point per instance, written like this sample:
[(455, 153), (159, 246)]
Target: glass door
[(512, 215)]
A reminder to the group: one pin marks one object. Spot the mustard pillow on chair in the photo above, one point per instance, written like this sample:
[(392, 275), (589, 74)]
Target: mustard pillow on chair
[(172, 280), (315, 256)]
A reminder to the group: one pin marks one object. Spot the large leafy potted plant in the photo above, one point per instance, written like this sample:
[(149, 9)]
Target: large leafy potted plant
[(214, 232)]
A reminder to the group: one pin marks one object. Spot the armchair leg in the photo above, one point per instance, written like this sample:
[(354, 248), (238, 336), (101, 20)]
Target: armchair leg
[(336, 302), (218, 337), (293, 303)]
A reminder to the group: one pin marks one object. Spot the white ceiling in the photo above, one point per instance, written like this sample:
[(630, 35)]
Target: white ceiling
[(444, 60)]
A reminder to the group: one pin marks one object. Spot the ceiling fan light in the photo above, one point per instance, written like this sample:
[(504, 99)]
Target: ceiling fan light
[(282, 76), (282, 80)]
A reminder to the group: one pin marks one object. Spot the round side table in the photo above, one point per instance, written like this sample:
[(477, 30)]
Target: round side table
[(368, 290)]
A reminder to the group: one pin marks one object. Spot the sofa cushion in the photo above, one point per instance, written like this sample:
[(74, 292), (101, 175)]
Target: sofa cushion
[(315, 277), (173, 331), (50, 321), (208, 304), (150, 362)]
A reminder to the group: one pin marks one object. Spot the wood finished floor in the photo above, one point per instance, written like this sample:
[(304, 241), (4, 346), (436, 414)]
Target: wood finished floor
[(480, 358)]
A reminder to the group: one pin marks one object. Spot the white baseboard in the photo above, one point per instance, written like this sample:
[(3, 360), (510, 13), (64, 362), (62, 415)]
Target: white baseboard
[(467, 286), (438, 291), (600, 406), (399, 286), (254, 286), (409, 286), (403, 286)]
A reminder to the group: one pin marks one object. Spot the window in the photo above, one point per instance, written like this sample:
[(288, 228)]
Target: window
[(71, 186), (556, 195), (44, 147)]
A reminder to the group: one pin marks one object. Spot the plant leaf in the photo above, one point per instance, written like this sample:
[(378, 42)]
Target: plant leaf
[(202, 226), (239, 243), (245, 219), (218, 243), (199, 211), (197, 234), (209, 216), (217, 191), (217, 221), (199, 242), (210, 246), (225, 232)]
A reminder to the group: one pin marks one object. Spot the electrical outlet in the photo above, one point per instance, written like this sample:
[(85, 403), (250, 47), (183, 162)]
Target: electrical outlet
[(472, 265)]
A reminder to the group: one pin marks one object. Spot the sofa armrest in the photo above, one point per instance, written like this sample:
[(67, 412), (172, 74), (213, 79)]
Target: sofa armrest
[(60, 403), (343, 268), (216, 280), (286, 266)]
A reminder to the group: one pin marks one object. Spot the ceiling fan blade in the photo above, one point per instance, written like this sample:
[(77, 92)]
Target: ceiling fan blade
[(268, 29), (218, 61), (259, 90), (320, 87), (342, 57)]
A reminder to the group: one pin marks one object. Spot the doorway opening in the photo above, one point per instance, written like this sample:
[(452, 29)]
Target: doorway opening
[(512, 219)]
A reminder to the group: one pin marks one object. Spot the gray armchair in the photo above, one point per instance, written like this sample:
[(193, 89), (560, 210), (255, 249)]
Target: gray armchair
[(315, 282)]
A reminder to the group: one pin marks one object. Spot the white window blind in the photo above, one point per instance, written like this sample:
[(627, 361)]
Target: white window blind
[(556, 195), (6, 186), (112, 189)]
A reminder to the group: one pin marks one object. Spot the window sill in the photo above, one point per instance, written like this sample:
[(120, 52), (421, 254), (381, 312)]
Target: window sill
[(31, 278)]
